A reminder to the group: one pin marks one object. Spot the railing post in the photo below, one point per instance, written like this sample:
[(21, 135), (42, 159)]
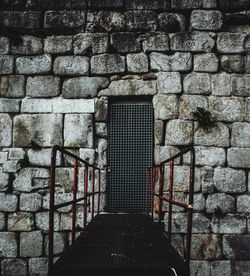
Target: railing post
[(74, 199), (86, 176), (99, 191), (171, 198), (93, 193), (161, 187)]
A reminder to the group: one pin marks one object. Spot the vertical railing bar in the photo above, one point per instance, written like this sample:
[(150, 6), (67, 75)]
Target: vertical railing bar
[(99, 191), (93, 193), (160, 193), (74, 199), (170, 209), (86, 175)]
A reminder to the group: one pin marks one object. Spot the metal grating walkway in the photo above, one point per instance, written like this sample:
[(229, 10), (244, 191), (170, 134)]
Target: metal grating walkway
[(121, 244)]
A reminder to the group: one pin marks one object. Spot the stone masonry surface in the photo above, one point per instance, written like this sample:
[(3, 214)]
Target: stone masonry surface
[(60, 64)]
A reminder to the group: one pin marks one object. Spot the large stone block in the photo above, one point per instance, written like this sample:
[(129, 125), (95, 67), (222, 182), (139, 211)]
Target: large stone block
[(4, 180), (193, 4), (216, 135), (4, 45), (38, 266), (231, 42), (175, 62), (210, 156), (206, 247), (232, 63), (240, 135), (96, 43), (222, 268), (20, 221), (5, 130), (169, 83), (14, 267), (243, 203), (242, 268), (101, 109), (179, 132), (12, 86), (130, 88), (43, 86), (155, 41), (228, 109), (9, 106), (240, 85), (64, 19), (30, 202), (236, 247), (221, 84), (230, 224), (83, 87), (158, 132), (6, 64), (162, 153), (165, 107), (78, 130), (29, 45), (197, 83), (206, 62), (59, 243), (126, 42), (58, 44), (238, 157), (71, 65), (8, 244), (189, 105), (200, 268), (220, 202), (41, 157), (207, 180), (8, 202), (42, 221), (171, 22), (43, 129), (31, 244), (199, 199), (29, 179), (191, 41), (141, 20), (33, 64), (107, 64), (206, 20), (137, 63), (225, 179)]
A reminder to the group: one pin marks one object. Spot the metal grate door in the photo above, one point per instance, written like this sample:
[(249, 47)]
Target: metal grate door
[(130, 153)]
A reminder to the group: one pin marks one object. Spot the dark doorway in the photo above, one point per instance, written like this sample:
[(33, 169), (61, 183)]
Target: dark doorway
[(130, 153)]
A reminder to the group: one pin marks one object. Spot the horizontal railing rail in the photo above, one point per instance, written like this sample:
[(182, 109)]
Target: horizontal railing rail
[(151, 193), (86, 195)]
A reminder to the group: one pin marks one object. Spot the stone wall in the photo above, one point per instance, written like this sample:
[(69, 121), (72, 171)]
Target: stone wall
[(59, 65)]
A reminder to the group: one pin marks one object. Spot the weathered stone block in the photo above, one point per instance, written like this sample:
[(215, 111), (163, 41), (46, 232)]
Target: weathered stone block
[(200, 268), (206, 62), (178, 132), (231, 42), (20, 221), (58, 44), (101, 108), (101, 153), (5, 130), (78, 130), (38, 266), (59, 243), (14, 267), (30, 45), (33, 64), (168, 83), (197, 83), (30, 202), (4, 180), (225, 179), (129, 88), (64, 19), (227, 109), (96, 43), (8, 202), (222, 268), (16, 153), (12, 86), (165, 107), (6, 64), (43, 86), (8, 244), (171, 22), (31, 105), (9, 106), (41, 157), (83, 87), (221, 84), (71, 65), (230, 224), (42, 221), (236, 247), (206, 247), (164, 152), (126, 42), (240, 135), (232, 63), (4, 45), (240, 85), (193, 4), (220, 202), (107, 64), (155, 41), (210, 156), (189, 104), (242, 268), (105, 4), (216, 135), (201, 224), (73, 106), (141, 20), (243, 203), (175, 62), (11, 166), (199, 200), (26, 179), (43, 129), (158, 132), (88, 155), (191, 41), (206, 20), (238, 157), (31, 244), (147, 5), (137, 63)]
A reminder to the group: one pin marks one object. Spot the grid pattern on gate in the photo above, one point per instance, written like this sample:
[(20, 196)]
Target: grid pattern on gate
[(130, 143)]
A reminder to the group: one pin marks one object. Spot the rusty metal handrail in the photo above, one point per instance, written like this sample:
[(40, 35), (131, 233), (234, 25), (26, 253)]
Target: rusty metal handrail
[(53, 207), (151, 177)]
